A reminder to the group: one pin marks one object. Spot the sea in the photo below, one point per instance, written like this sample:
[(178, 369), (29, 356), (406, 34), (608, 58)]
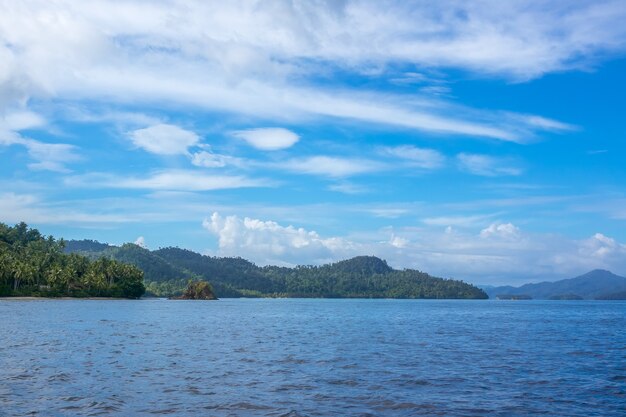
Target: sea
[(312, 357)]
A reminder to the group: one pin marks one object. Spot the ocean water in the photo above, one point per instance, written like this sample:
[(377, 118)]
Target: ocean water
[(296, 357)]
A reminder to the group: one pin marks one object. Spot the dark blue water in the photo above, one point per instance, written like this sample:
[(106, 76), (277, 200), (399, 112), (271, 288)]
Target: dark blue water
[(292, 357)]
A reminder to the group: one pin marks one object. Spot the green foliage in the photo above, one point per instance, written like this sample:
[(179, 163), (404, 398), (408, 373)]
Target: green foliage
[(35, 265), (167, 272), (198, 290)]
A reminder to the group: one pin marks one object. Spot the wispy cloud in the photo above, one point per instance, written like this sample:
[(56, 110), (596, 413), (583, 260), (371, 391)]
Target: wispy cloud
[(262, 60), (331, 166), (486, 165), (16, 207), (348, 188), (46, 156), (171, 180), (417, 157), (462, 221)]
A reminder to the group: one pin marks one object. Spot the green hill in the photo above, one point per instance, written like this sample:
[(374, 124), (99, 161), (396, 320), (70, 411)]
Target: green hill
[(168, 270)]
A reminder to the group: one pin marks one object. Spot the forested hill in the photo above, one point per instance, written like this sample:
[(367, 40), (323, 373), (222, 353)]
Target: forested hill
[(34, 265), (168, 270)]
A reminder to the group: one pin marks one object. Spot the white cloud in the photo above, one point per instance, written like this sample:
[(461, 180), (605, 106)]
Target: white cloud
[(388, 213), (263, 59), (418, 157), (208, 160), (548, 124), (463, 221), (501, 230), (398, 242), (269, 242), (141, 242), (487, 166), (170, 180), (15, 208), (348, 188), (47, 156), (269, 138), (50, 156), (601, 247), (106, 115), (498, 254), (164, 139), (22, 120), (330, 166)]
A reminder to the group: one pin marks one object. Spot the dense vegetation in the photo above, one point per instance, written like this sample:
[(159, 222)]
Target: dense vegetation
[(198, 290), (34, 265), (167, 272)]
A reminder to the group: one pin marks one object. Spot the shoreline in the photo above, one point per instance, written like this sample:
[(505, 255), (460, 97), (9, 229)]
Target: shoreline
[(31, 298)]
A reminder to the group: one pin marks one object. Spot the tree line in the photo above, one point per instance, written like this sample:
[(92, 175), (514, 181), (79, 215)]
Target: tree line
[(168, 271), (35, 265)]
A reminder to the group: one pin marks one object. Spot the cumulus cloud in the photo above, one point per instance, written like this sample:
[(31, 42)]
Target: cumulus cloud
[(141, 242), (417, 157), (501, 253), (602, 247), (269, 138), (398, 242), (269, 242), (487, 166), (500, 230), (164, 139)]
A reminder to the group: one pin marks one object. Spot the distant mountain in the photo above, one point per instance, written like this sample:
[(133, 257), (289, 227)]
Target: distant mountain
[(594, 284), (167, 272)]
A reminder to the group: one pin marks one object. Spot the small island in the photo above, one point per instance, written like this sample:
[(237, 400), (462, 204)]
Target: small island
[(33, 265), (197, 290), (569, 296), (513, 297)]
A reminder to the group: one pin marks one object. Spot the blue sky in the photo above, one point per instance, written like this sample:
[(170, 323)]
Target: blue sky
[(481, 140)]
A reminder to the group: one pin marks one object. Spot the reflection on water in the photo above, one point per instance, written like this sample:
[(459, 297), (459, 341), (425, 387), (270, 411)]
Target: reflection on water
[(291, 357)]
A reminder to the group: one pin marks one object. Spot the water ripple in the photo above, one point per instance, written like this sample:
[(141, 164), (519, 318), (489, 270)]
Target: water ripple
[(298, 358)]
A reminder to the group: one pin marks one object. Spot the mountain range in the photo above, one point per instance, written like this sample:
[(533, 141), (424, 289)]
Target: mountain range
[(596, 284)]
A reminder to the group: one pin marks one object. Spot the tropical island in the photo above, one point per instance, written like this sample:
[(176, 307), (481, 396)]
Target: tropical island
[(32, 264), (168, 271)]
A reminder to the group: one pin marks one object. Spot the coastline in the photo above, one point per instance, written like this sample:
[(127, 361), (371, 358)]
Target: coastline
[(31, 298)]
